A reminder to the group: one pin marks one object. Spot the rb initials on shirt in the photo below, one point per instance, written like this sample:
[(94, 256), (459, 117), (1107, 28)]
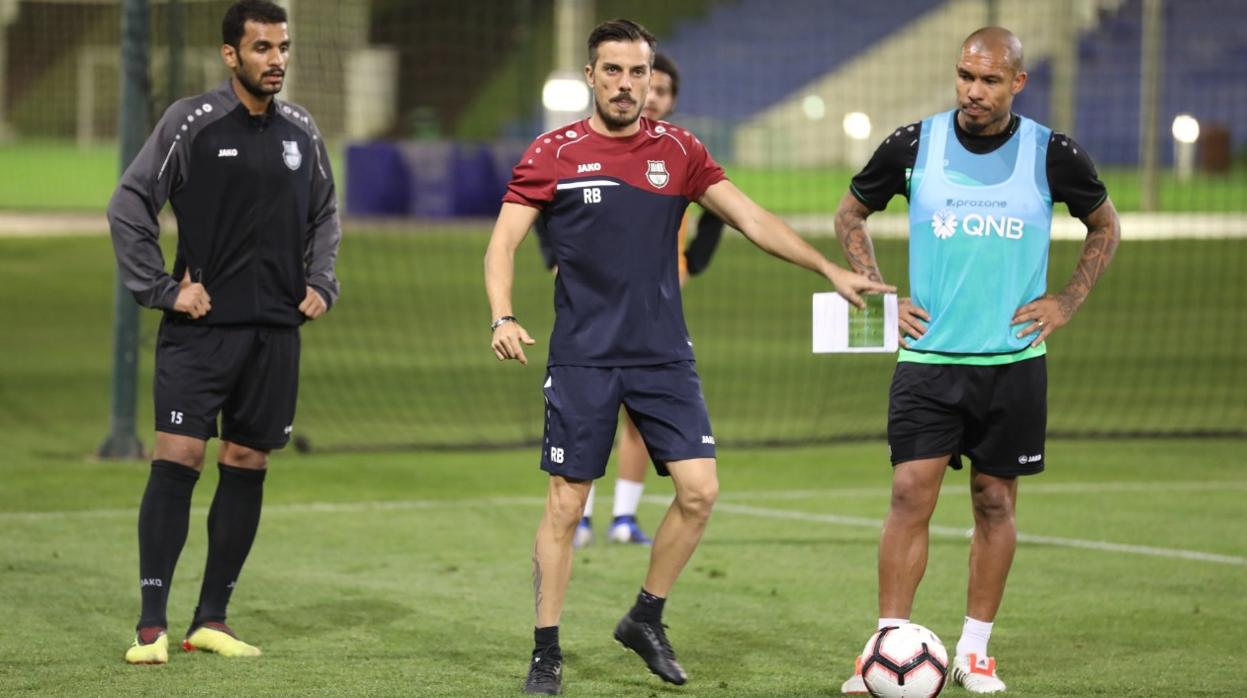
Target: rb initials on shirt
[(593, 195)]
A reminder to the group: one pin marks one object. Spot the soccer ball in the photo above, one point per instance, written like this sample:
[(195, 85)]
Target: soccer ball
[(904, 662)]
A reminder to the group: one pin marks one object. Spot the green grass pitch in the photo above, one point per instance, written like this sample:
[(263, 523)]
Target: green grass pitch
[(407, 573)]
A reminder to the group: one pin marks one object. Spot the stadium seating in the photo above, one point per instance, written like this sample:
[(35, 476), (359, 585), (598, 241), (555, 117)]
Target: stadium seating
[(1204, 44), (744, 56)]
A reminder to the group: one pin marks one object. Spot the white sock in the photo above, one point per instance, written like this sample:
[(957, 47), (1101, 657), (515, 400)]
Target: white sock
[(974, 637), (589, 501), (627, 496), (890, 622)]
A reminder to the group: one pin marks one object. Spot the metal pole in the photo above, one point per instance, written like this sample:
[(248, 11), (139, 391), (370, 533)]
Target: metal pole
[(1149, 104), (8, 13), (571, 27), (122, 441), (1065, 67), (175, 30)]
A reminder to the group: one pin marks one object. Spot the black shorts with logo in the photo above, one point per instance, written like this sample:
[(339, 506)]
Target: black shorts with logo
[(582, 412), (996, 415), (247, 375)]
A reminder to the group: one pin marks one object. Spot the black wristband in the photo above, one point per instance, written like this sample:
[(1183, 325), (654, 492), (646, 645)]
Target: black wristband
[(493, 326)]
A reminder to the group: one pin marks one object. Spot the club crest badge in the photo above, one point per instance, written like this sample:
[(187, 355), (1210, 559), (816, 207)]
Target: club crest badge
[(291, 155), (657, 173)]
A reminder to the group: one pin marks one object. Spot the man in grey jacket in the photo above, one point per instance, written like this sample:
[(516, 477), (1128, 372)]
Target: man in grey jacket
[(250, 182)]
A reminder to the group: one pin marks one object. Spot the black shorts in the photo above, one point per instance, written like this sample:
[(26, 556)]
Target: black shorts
[(582, 411), (249, 375), (996, 415)]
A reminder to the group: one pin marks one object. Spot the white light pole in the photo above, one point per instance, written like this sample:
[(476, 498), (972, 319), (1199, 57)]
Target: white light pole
[(565, 95), (1185, 134), (8, 13)]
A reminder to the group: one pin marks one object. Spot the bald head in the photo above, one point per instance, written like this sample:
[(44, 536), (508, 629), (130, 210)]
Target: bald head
[(989, 74), (996, 41)]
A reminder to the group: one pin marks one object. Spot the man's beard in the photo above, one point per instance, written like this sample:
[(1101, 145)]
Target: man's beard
[(256, 88), (613, 122), (975, 128)]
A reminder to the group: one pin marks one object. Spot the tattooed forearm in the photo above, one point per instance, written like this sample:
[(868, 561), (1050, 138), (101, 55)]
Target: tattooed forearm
[(851, 231), (1103, 236), (536, 584)]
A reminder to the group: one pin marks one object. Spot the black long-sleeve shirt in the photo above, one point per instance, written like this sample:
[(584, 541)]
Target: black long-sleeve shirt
[(255, 205)]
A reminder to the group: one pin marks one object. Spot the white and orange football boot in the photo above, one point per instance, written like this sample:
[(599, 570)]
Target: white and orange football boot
[(977, 674), (855, 685)]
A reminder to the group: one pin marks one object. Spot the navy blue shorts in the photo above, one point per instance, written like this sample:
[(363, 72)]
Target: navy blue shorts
[(582, 411), (996, 415)]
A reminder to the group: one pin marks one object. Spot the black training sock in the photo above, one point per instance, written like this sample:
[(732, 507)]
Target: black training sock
[(546, 638), (648, 608), (164, 517), (232, 523)]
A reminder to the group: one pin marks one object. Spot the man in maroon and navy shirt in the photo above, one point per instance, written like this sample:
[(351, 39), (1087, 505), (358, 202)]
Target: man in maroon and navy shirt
[(612, 190)]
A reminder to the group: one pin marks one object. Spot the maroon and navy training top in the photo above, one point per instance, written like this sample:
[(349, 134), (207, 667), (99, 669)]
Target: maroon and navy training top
[(612, 208)]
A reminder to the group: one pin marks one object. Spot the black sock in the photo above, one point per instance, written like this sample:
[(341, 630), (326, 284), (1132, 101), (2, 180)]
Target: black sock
[(544, 639), (164, 517), (648, 608), (232, 523)]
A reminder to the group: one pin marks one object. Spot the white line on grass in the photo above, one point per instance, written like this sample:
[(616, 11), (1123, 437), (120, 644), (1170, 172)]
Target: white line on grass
[(296, 508), (1039, 488), (748, 495), (748, 510), (950, 532)]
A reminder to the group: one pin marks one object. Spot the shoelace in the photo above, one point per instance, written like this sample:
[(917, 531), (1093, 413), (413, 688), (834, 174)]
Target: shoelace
[(546, 668), (660, 634)]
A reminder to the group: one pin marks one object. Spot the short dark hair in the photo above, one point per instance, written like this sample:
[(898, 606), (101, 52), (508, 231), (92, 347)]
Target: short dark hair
[(619, 30), (238, 14), (664, 63)]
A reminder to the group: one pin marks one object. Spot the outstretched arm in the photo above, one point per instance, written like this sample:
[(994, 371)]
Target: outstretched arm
[(513, 223), (1052, 312), (775, 237)]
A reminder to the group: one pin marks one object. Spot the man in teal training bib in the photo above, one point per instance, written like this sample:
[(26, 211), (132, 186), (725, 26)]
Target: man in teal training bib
[(972, 379)]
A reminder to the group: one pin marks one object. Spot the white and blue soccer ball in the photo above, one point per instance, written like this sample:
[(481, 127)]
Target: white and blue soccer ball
[(908, 661)]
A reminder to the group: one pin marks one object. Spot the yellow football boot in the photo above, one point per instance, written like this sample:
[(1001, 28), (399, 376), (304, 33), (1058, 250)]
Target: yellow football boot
[(218, 638), (154, 652)]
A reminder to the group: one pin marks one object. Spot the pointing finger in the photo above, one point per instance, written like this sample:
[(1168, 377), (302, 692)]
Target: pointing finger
[(851, 296)]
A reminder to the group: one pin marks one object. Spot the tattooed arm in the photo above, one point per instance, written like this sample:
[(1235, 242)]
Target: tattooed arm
[(860, 252), (851, 217), (1053, 311)]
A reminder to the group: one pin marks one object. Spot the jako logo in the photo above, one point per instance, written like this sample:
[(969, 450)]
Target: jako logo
[(151, 582), (589, 167), (227, 153), (707, 440), (1024, 459)]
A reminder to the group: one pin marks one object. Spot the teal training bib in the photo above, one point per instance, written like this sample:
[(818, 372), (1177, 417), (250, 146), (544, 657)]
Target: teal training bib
[(979, 228)]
